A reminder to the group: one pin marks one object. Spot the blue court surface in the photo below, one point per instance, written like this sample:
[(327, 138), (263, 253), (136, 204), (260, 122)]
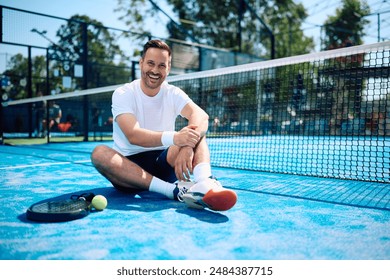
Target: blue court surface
[(277, 216)]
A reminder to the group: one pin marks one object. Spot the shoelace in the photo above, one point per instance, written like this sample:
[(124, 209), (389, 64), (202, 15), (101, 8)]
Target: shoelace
[(182, 191)]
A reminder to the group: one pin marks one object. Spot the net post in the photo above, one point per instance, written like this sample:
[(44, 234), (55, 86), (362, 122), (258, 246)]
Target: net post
[(258, 100), (29, 92), (1, 125), (200, 59), (1, 24), (46, 129), (85, 79), (86, 118), (272, 45), (133, 64)]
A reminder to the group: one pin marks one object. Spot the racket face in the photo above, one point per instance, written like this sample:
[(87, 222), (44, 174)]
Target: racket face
[(58, 211)]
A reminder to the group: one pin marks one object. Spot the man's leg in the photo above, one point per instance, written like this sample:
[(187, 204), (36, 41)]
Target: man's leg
[(124, 173), (207, 192), (128, 176), (199, 159), (119, 170), (202, 167)]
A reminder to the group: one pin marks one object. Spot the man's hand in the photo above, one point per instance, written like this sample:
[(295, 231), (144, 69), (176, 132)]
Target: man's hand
[(183, 164), (187, 136)]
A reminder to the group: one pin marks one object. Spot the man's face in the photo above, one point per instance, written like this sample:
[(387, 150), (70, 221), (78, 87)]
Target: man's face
[(154, 69)]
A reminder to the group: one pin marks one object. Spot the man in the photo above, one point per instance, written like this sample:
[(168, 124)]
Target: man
[(55, 115), (147, 153)]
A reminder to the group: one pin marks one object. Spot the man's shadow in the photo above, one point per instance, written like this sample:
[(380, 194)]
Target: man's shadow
[(141, 202)]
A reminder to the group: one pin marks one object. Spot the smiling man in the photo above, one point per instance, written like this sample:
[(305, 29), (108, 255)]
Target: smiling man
[(148, 154)]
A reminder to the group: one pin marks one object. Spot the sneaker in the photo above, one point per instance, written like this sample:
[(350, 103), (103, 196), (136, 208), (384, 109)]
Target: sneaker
[(209, 193), (181, 188)]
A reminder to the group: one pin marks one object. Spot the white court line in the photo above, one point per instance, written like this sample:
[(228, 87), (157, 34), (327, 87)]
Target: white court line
[(43, 164)]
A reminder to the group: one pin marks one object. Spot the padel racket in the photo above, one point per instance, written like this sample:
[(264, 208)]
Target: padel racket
[(60, 210)]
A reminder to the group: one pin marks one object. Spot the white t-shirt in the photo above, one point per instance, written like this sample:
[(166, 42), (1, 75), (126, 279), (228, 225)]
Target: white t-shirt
[(156, 113)]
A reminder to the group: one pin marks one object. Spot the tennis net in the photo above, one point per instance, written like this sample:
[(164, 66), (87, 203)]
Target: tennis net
[(325, 114)]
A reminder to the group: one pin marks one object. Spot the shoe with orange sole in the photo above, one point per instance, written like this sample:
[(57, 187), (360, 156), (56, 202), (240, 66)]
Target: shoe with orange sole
[(209, 193)]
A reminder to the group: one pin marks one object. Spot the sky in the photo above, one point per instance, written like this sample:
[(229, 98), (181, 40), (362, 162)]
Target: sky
[(103, 11)]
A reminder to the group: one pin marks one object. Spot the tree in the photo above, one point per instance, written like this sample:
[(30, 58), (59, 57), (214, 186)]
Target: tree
[(17, 74), (238, 25), (101, 57), (134, 12), (346, 27), (102, 50), (285, 19)]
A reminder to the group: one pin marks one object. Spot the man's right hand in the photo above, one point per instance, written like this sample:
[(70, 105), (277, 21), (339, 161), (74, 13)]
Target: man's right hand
[(187, 136)]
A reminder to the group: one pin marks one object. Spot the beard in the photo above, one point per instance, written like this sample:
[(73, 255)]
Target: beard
[(151, 80)]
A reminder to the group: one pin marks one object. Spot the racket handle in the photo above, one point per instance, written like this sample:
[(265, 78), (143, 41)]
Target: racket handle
[(86, 196)]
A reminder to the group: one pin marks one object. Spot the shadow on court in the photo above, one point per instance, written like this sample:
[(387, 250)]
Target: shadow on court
[(143, 202)]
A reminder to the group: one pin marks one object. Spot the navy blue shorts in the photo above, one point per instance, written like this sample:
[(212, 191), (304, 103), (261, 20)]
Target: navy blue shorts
[(155, 163)]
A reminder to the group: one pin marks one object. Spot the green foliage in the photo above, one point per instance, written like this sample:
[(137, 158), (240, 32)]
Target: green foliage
[(285, 19), (102, 51), (232, 24), (346, 27), (133, 14), (238, 25), (18, 72), (101, 60)]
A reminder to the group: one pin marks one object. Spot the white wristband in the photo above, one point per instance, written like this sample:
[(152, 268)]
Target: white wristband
[(167, 138)]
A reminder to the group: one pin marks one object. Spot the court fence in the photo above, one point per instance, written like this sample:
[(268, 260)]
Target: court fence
[(325, 114), (52, 55)]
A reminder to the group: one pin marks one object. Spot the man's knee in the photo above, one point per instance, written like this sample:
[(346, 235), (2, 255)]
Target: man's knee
[(98, 154)]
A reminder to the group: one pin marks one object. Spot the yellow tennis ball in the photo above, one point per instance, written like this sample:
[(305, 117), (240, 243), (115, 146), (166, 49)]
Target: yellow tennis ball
[(99, 202)]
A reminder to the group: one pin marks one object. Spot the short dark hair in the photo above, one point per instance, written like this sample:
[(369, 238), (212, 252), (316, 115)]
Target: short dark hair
[(156, 44)]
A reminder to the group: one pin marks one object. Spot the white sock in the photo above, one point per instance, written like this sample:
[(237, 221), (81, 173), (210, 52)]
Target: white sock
[(159, 186), (202, 171)]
